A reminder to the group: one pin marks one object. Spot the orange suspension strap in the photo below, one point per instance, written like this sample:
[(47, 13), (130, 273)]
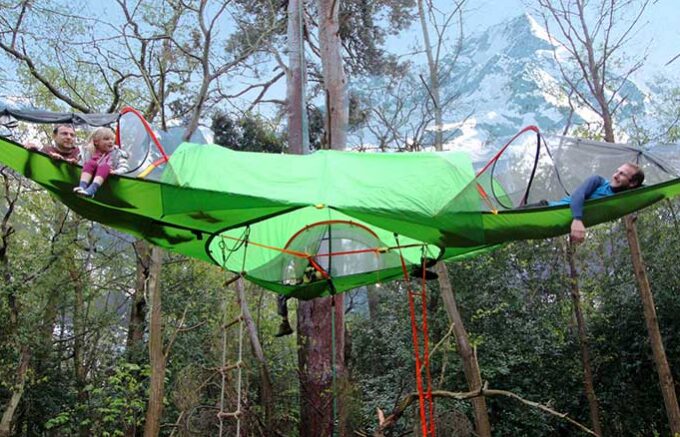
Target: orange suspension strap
[(425, 399)]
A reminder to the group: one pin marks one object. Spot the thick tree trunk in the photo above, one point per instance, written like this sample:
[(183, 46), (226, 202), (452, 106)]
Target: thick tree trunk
[(467, 354), (296, 77), (583, 342), (319, 404), (155, 406), (334, 78), (265, 378), (662, 367)]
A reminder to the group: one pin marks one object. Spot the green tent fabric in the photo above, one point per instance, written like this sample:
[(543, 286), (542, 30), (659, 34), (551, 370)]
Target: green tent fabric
[(209, 196), (352, 214)]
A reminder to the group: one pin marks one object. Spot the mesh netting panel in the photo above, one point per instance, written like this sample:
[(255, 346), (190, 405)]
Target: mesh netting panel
[(525, 173), (341, 249), (140, 141), (137, 142)]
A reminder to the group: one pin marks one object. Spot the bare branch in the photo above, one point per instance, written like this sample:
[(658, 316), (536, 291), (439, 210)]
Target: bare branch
[(406, 401)]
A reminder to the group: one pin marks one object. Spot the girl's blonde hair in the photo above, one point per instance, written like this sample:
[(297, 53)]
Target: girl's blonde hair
[(100, 132), (96, 135)]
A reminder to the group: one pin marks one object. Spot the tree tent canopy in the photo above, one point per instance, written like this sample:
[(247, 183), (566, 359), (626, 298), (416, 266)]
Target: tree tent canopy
[(349, 216)]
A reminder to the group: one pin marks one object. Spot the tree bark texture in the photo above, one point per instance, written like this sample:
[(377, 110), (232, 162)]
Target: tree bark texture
[(467, 354), (321, 405), (662, 367), (334, 78), (315, 356), (433, 68), (373, 301), (79, 367), (135, 335), (296, 77), (265, 378), (588, 385), (156, 355), (17, 392)]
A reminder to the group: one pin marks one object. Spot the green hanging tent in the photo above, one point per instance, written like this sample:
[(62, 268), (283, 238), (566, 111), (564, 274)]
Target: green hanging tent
[(270, 216), (308, 226)]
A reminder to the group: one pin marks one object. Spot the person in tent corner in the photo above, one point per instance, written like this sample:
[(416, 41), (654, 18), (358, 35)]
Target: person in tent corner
[(63, 145), (101, 158), (626, 177), (282, 310)]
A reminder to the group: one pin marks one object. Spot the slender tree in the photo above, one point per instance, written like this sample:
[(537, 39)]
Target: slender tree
[(429, 18), (11, 192), (588, 384)]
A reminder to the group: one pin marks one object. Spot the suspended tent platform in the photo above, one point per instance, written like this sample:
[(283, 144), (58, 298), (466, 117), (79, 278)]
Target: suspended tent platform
[(351, 216)]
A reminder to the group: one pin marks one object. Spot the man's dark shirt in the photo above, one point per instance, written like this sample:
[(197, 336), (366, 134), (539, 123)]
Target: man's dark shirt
[(69, 155)]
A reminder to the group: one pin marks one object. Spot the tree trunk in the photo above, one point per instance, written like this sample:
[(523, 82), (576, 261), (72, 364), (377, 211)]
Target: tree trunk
[(663, 369), (79, 368), (17, 392), (470, 364), (318, 409), (265, 378), (138, 308), (433, 68), (296, 77), (334, 79), (583, 342), (25, 355), (135, 335), (157, 358), (320, 404), (373, 293)]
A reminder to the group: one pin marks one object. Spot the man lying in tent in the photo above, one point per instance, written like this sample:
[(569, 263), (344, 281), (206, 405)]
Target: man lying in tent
[(625, 177), (63, 145)]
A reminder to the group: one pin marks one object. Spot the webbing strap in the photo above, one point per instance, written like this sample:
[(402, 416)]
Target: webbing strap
[(426, 346), (423, 394)]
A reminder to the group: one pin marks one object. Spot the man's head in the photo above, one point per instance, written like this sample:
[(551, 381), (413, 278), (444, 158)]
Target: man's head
[(627, 176), (64, 136)]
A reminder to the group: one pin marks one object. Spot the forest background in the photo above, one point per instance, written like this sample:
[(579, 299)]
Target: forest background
[(103, 335)]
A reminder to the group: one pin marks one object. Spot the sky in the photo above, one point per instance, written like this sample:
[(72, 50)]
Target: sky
[(659, 32)]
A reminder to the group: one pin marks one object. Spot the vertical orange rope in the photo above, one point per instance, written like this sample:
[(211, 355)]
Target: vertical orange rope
[(426, 351), (416, 348)]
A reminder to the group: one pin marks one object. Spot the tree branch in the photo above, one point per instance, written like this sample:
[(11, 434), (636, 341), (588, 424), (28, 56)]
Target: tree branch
[(410, 398)]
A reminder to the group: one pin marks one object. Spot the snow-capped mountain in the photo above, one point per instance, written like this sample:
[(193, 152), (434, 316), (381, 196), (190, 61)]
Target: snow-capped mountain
[(505, 78)]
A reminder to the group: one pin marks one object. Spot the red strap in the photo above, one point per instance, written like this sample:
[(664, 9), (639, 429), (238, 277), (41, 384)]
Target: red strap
[(423, 395), (426, 353)]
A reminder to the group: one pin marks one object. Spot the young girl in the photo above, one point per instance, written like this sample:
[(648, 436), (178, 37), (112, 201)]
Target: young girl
[(106, 158)]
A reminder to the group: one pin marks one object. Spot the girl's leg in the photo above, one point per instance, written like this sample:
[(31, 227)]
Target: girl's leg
[(85, 179), (86, 176), (100, 176)]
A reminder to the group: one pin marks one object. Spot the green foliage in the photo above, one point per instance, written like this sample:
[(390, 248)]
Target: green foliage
[(364, 34), (111, 408), (249, 133)]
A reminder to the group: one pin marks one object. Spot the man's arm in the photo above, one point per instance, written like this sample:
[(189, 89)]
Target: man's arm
[(578, 198)]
